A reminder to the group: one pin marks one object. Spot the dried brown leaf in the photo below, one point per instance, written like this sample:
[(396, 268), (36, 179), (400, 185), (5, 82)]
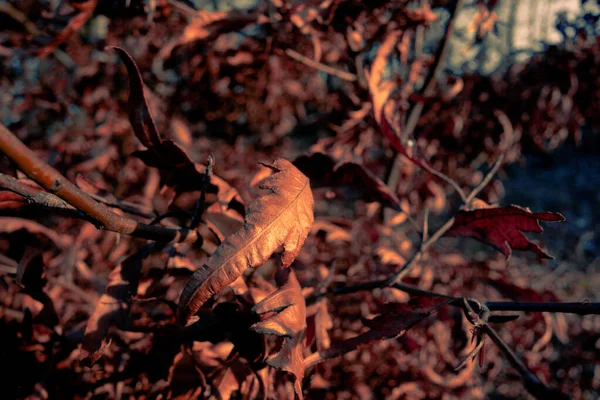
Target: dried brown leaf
[(283, 216), (112, 307), (350, 180), (288, 322), (86, 9)]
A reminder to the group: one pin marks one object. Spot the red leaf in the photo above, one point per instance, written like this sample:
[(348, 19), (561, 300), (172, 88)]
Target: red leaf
[(389, 132), (502, 227)]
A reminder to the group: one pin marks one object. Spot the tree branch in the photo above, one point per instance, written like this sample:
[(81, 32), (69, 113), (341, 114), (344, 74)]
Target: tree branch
[(347, 76), (532, 383), (55, 183), (580, 308)]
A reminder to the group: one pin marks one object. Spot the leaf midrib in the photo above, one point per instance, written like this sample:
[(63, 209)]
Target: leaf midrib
[(256, 237)]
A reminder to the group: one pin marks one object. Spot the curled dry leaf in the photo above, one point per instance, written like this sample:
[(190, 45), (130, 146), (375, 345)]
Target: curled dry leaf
[(350, 180), (175, 166), (162, 154), (319, 323), (502, 227), (289, 322), (283, 216)]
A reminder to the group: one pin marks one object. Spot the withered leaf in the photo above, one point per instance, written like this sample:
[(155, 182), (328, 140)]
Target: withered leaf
[(112, 307), (283, 216), (379, 88), (204, 25), (86, 9), (394, 139), (502, 227), (12, 224), (289, 322), (396, 319), (319, 322), (175, 166), (350, 180)]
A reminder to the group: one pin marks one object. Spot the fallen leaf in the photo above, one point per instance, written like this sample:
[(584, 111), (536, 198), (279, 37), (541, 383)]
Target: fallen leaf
[(502, 227), (379, 88), (283, 216), (332, 231), (12, 224), (112, 307), (350, 180), (289, 322), (396, 319), (204, 25), (86, 9)]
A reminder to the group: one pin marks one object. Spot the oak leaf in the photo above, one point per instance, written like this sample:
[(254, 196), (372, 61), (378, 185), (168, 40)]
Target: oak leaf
[(289, 322), (502, 227), (283, 216)]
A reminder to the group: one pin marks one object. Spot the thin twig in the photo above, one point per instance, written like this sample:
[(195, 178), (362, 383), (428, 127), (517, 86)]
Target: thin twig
[(485, 180), (446, 179), (127, 206), (48, 200), (532, 383), (55, 183), (429, 86), (397, 277), (425, 225), (580, 308), (347, 76)]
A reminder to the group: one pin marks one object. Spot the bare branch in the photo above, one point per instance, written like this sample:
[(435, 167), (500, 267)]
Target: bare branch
[(55, 183)]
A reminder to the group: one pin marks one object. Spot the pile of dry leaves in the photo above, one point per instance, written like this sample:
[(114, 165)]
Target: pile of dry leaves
[(293, 199)]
